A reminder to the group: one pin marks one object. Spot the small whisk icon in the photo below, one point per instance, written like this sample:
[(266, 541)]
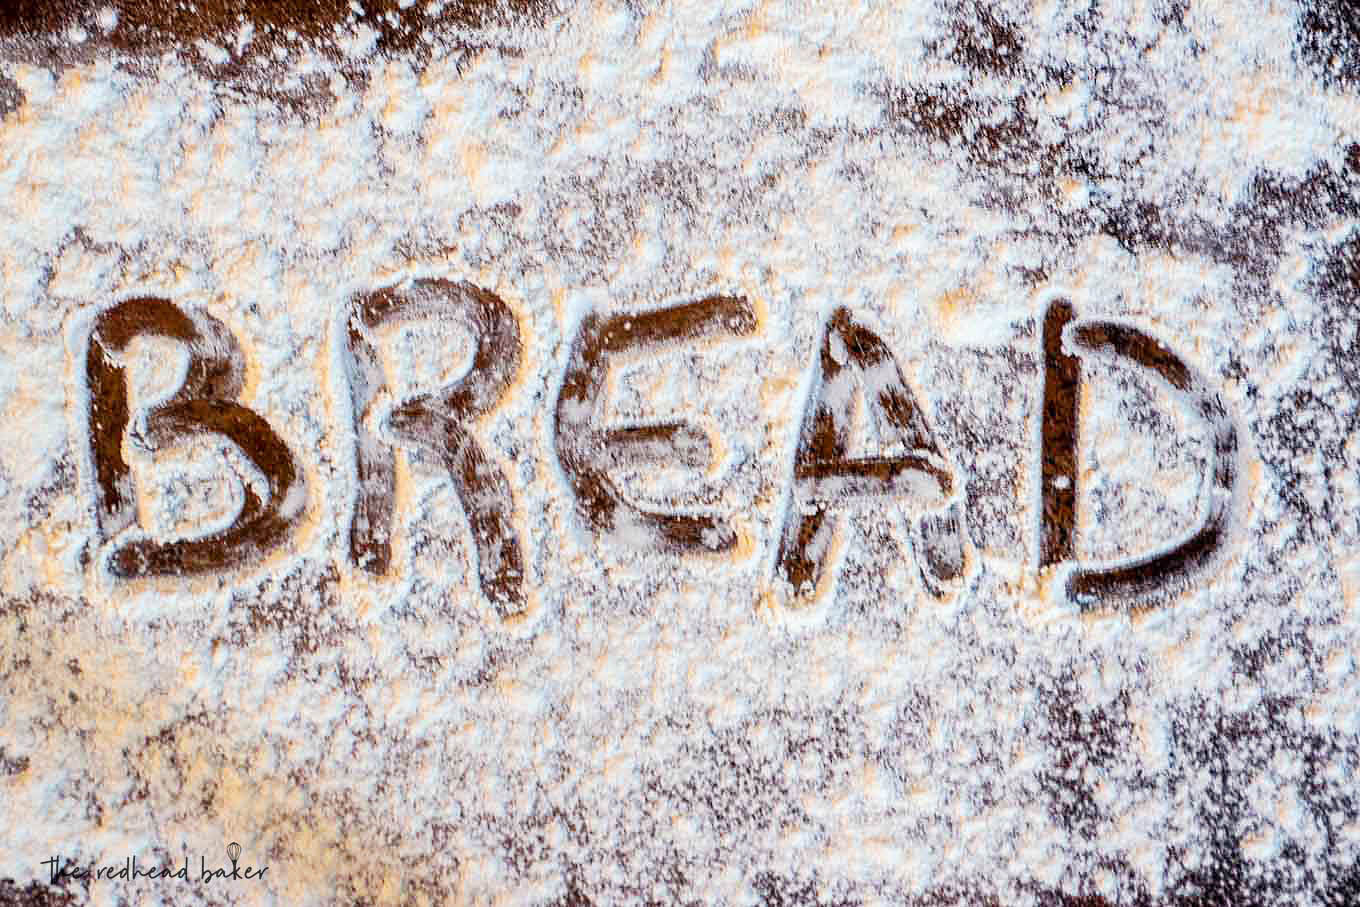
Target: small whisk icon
[(234, 852)]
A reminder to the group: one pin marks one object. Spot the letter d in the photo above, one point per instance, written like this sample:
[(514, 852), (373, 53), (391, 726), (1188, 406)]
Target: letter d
[(1140, 580)]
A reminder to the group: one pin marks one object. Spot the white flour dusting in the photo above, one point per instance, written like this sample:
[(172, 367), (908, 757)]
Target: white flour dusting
[(663, 727)]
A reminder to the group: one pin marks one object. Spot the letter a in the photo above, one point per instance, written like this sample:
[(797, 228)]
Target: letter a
[(825, 475)]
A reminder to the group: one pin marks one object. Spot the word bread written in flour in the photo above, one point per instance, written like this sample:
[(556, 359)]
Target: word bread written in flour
[(825, 477)]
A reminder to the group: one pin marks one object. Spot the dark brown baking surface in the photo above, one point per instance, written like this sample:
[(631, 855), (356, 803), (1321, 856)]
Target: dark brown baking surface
[(145, 25), (39, 30)]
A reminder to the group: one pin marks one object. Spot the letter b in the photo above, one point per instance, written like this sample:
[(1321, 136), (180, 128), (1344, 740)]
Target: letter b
[(204, 404)]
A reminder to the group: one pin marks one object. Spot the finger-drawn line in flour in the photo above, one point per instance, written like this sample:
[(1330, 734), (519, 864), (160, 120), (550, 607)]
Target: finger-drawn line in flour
[(205, 403), (587, 452), (1161, 571), (436, 422), (826, 476), (1058, 443)]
